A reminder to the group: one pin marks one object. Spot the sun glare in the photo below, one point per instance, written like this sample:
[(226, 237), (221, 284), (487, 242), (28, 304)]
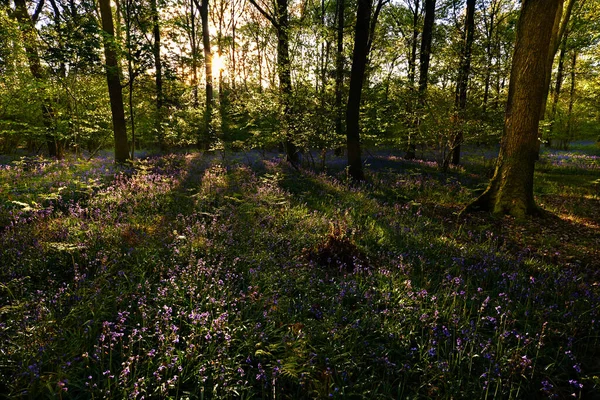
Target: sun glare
[(218, 64)]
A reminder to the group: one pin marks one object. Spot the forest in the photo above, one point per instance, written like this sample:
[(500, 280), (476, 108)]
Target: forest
[(299, 199)]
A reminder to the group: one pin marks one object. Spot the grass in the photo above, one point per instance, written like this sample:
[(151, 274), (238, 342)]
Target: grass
[(190, 276)]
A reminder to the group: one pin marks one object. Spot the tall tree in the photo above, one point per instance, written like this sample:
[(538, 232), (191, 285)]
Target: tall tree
[(280, 21), (424, 59), (27, 26), (339, 67), (208, 127), (511, 189), (462, 83), (158, 71), (357, 75), (115, 92), (363, 39)]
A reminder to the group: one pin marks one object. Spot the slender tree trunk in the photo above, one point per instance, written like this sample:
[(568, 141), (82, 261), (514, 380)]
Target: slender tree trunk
[(489, 56), (130, 72), (357, 75), (557, 89), (558, 30), (114, 84), (158, 72), (511, 189), (425, 55), (27, 27), (571, 99), (285, 77), (205, 140), (412, 61), (460, 102), (194, 49), (339, 68), (424, 58)]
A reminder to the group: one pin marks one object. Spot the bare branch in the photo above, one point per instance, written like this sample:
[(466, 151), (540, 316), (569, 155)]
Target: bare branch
[(268, 16), (37, 12)]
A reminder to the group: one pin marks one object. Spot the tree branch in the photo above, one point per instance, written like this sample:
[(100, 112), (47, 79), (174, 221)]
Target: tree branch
[(563, 25), (380, 4), (268, 16), (38, 10)]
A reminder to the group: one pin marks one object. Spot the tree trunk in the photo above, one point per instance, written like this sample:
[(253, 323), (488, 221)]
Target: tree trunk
[(114, 84), (424, 58), (194, 49), (460, 102), (27, 27), (285, 77), (571, 100), (131, 73), (357, 75), (280, 20), (558, 30), (158, 73), (557, 89), (204, 140), (511, 188), (425, 55), (412, 61), (339, 68)]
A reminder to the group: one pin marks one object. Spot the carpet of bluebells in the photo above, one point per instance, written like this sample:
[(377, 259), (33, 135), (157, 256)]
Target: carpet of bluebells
[(198, 276)]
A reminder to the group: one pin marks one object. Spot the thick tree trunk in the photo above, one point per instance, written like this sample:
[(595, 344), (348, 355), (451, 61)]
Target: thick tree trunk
[(158, 73), (357, 75), (114, 84), (460, 102), (511, 188)]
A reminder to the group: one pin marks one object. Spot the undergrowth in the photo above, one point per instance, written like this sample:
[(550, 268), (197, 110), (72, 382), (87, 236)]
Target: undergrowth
[(183, 277)]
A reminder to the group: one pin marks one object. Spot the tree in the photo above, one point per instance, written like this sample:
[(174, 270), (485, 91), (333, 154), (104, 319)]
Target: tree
[(27, 26), (363, 39), (357, 75), (280, 21), (462, 83), (424, 58), (205, 142), (158, 72), (339, 67), (511, 189), (115, 91)]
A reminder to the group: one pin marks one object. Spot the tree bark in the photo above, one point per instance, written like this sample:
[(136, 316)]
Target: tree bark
[(424, 58), (339, 68), (114, 84), (280, 21), (571, 99), (460, 101), (557, 88), (205, 140), (158, 72), (412, 61), (511, 189), (357, 75), (27, 27)]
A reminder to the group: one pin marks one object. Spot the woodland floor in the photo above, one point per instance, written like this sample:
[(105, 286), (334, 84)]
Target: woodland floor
[(234, 275)]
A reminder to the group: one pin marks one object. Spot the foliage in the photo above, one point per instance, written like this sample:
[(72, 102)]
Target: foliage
[(183, 276)]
